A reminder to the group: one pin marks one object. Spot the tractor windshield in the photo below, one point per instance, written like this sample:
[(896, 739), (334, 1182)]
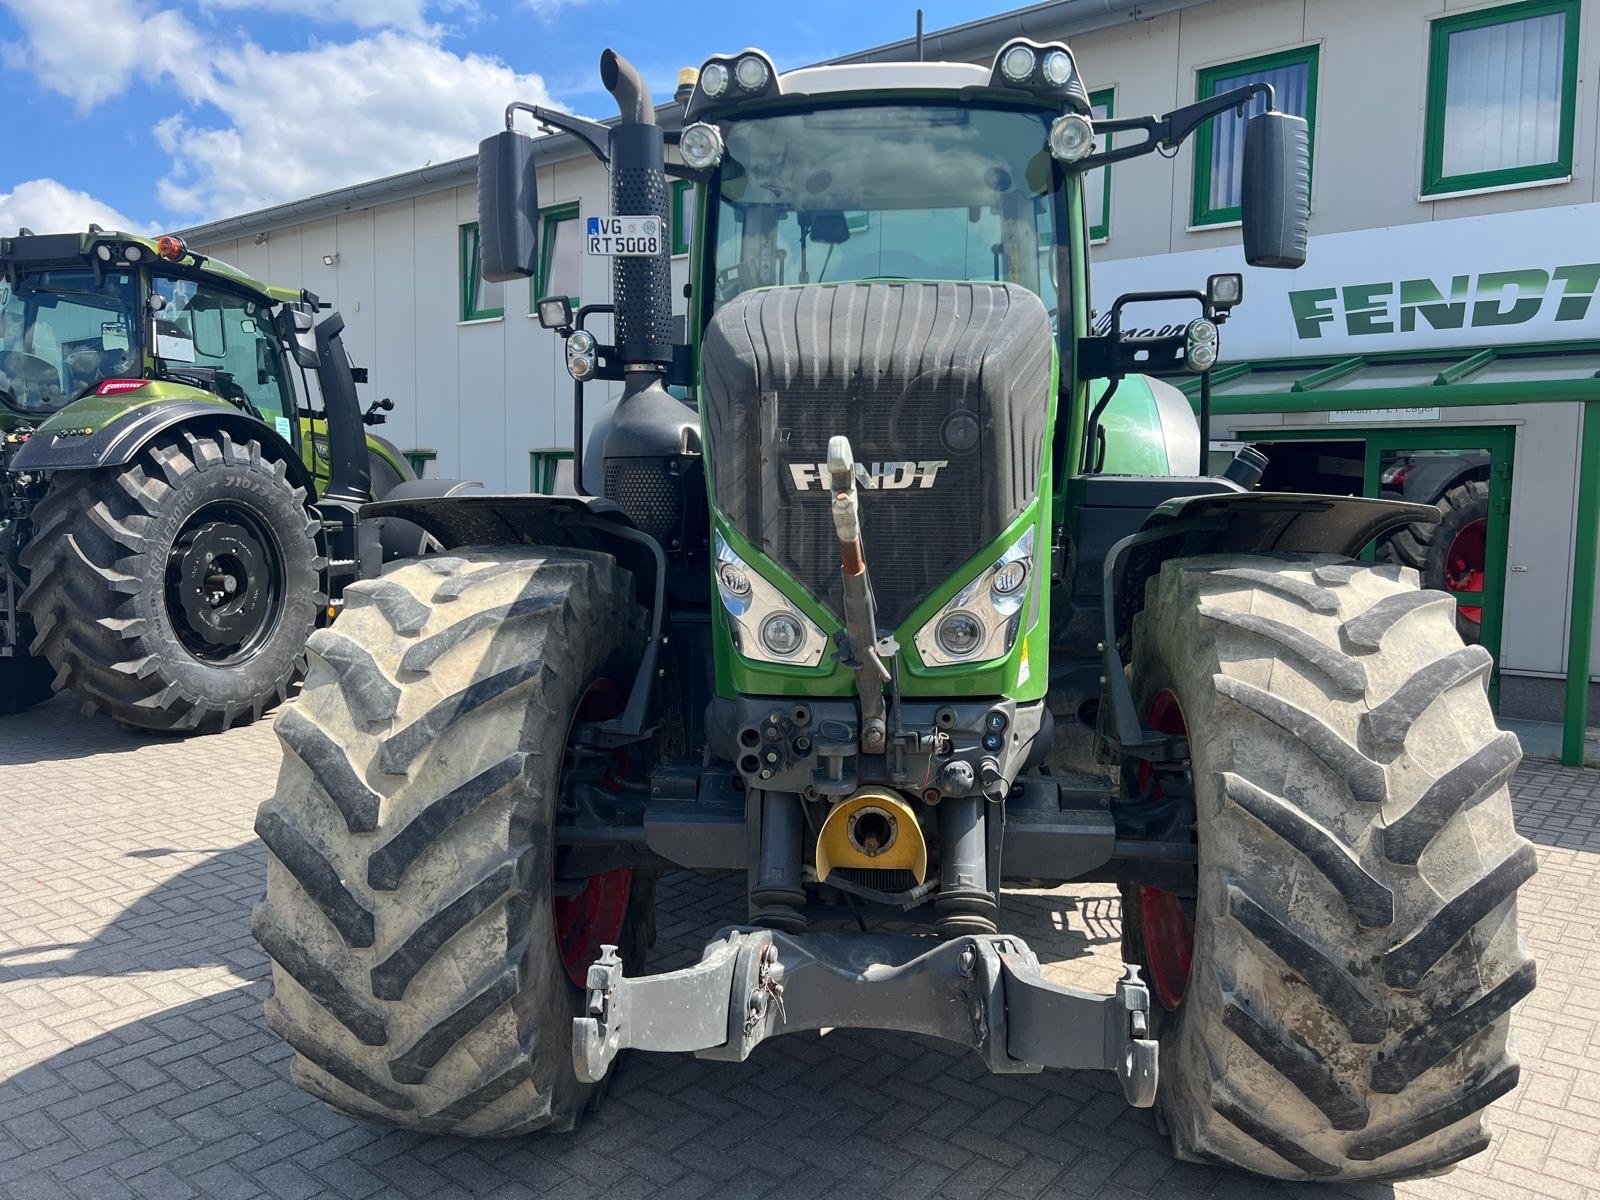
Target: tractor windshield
[(886, 191), (62, 332)]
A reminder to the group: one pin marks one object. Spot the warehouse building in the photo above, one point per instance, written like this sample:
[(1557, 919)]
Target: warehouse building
[(1442, 343)]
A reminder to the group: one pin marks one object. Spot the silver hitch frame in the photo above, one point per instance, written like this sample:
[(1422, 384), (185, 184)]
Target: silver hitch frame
[(984, 991)]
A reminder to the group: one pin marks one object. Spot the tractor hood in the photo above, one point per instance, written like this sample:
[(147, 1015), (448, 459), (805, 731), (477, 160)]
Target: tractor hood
[(943, 391)]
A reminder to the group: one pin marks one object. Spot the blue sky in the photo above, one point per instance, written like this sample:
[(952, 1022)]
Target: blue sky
[(155, 114)]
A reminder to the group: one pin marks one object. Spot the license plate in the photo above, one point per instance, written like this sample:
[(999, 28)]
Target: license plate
[(624, 237)]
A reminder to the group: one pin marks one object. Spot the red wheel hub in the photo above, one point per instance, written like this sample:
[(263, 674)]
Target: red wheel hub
[(1464, 563), (1165, 926), (595, 915)]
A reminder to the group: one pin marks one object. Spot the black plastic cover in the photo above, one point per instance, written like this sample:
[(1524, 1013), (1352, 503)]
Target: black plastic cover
[(508, 207), (943, 391)]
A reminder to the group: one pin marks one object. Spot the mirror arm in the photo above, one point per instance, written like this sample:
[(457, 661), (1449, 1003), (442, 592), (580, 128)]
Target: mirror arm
[(591, 133), (1170, 131)]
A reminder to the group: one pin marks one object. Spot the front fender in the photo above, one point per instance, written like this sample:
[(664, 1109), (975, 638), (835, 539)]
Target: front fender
[(1224, 523), (56, 447)]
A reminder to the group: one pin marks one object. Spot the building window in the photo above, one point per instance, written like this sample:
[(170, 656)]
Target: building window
[(1219, 145), (544, 470), (1502, 96), (560, 254), (1097, 184), (480, 301), (682, 216)]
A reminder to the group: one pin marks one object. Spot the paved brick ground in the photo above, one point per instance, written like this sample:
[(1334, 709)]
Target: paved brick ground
[(133, 1060)]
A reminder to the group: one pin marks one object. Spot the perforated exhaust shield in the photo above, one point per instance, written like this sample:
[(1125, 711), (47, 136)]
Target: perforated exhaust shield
[(943, 391)]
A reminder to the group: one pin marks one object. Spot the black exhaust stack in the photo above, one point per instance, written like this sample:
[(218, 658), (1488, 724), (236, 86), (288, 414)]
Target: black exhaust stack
[(641, 288), (649, 431)]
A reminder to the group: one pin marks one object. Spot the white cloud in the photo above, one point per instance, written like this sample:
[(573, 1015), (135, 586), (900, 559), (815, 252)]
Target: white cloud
[(45, 206), (366, 14), (90, 50), (300, 122), (292, 122)]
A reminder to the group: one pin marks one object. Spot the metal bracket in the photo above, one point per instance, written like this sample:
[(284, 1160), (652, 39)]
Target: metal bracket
[(981, 991)]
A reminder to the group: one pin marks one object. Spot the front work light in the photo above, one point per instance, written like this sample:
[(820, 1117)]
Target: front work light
[(555, 312), (1017, 64), (714, 80), (700, 145), (751, 72), (1071, 137), (1225, 291)]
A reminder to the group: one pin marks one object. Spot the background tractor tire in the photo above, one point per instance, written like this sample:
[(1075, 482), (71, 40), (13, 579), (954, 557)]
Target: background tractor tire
[(410, 913), (126, 608), (1355, 953), (1427, 549)]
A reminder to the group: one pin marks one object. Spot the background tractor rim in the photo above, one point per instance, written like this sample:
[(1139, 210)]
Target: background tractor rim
[(595, 915), (1166, 929), (1464, 564), (224, 584)]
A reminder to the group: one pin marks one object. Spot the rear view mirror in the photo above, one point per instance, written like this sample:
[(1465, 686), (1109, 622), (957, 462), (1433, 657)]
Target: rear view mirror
[(508, 207), (294, 323), (1276, 195)]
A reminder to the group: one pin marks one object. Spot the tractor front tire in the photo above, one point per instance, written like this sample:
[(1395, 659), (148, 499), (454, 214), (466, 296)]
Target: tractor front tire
[(175, 593), (1354, 955), (423, 970)]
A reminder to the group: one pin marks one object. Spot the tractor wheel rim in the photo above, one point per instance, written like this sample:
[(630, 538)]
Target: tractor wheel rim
[(1166, 929), (224, 584), (1464, 563), (595, 915)]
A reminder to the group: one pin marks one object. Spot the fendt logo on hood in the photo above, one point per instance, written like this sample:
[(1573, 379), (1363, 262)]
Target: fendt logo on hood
[(889, 476)]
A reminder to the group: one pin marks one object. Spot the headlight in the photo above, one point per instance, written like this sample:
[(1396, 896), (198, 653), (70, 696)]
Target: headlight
[(700, 145), (714, 79), (1201, 345), (959, 634), (580, 355), (766, 626), (1071, 137), (751, 73), (980, 622), (1017, 65), (782, 635), (581, 342)]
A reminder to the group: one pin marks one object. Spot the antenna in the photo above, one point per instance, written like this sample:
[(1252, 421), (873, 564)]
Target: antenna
[(919, 36)]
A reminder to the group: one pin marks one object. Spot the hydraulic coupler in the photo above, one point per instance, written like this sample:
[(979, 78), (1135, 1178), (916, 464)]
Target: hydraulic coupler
[(984, 991)]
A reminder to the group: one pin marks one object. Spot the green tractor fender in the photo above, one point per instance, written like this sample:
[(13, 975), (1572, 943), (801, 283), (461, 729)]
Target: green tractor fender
[(98, 432)]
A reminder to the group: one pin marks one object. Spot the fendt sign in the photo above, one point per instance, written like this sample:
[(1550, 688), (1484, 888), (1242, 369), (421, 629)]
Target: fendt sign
[(1507, 279), (1491, 300)]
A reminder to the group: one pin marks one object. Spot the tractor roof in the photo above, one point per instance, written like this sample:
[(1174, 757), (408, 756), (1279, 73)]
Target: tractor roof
[(888, 76), (42, 249)]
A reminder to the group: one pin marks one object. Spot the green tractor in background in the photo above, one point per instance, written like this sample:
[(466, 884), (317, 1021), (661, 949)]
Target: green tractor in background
[(177, 511), (920, 593)]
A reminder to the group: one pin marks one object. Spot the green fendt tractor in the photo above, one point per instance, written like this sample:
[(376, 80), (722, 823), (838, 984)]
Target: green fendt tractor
[(918, 595), (176, 515)]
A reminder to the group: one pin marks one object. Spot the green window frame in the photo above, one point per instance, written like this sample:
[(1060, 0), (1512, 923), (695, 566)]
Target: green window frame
[(1106, 97), (472, 278), (542, 466), (1434, 179), (549, 218), (1207, 80), (682, 196)]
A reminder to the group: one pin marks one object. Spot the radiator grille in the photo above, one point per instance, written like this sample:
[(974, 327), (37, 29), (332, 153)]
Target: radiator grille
[(955, 374)]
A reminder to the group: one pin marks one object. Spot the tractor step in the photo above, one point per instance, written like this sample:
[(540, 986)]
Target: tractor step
[(983, 991)]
